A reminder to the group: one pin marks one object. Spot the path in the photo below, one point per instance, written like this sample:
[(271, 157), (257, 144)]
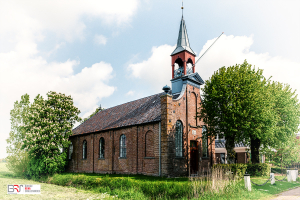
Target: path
[(293, 194)]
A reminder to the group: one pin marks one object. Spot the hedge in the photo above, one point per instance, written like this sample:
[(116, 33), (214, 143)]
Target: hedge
[(260, 169)]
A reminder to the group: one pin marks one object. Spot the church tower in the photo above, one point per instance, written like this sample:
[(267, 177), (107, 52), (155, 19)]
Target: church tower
[(183, 63), (183, 54)]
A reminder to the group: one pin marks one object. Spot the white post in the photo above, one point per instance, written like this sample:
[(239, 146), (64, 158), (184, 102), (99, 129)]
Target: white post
[(272, 178), (289, 175), (294, 174), (247, 182)]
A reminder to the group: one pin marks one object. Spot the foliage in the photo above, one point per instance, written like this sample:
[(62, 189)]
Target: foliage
[(237, 169), (241, 104), (17, 159), (94, 113), (49, 126), (287, 155), (258, 169)]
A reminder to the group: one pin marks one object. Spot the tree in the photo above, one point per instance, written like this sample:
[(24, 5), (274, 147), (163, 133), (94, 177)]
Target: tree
[(50, 125), (286, 155), (17, 159), (241, 104)]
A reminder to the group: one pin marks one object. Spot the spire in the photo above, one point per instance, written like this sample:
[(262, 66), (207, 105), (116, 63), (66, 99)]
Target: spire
[(183, 40)]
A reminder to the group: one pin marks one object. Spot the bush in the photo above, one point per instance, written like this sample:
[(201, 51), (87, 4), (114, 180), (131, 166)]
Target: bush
[(259, 169), (237, 169)]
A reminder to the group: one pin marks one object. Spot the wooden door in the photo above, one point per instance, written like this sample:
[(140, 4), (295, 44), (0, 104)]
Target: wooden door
[(194, 156)]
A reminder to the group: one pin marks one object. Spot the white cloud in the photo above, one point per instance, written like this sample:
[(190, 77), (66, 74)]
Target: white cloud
[(231, 50), (22, 70), (62, 17), (130, 93), (157, 69), (100, 39), (25, 72), (227, 51)]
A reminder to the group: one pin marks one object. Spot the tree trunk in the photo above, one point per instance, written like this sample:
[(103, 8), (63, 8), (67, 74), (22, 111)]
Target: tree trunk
[(255, 144), (229, 145)]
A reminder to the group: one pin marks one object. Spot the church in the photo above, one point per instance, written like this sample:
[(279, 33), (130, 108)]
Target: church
[(158, 135)]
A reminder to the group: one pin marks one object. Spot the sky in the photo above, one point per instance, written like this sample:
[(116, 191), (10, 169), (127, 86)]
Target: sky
[(111, 52)]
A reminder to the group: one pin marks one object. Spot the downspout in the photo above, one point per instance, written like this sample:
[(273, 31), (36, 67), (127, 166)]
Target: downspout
[(93, 150), (77, 152), (159, 148), (113, 151), (137, 149), (187, 132)]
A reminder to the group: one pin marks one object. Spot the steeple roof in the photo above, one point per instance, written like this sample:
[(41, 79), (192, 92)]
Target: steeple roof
[(183, 40)]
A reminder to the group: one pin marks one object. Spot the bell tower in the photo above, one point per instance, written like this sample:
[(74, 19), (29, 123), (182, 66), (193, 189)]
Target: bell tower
[(183, 63), (183, 54)]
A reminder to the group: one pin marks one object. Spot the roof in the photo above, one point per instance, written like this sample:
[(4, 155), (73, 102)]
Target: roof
[(183, 40), (221, 144), (136, 112)]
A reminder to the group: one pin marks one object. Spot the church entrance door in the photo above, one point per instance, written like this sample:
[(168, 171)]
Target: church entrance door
[(194, 156)]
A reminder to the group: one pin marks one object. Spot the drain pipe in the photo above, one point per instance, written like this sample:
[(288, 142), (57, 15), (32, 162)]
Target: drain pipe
[(159, 148)]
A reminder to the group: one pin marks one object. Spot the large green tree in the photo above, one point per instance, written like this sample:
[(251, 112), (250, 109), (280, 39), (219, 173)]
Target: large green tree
[(48, 129), (241, 104), (17, 159)]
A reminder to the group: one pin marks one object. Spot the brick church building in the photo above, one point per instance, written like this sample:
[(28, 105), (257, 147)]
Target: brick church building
[(157, 135)]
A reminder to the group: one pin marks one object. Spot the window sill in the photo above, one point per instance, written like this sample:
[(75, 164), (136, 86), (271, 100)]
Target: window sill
[(122, 158), (205, 158), (177, 157), (149, 157), (101, 158), (83, 159)]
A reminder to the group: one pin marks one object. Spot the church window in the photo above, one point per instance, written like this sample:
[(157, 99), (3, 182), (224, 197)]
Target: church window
[(70, 151), (84, 150), (123, 146), (101, 147), (178, 139), (204, 142)]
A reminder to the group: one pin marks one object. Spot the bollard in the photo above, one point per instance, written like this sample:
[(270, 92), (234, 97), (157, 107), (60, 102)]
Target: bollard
[(247, 182), (294, 174), (272, 178), (289, 175)]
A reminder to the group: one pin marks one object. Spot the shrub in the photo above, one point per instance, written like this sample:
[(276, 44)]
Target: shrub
[(260, 169), (237, 169)]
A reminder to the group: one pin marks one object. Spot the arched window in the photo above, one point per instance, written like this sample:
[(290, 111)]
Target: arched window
[(84, 150), (101, 147), (178, 139), (204, 142), (123, 146), (70, 151)]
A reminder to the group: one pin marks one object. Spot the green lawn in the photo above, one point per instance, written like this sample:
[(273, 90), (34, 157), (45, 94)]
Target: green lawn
[(96, 186), (48, 191)]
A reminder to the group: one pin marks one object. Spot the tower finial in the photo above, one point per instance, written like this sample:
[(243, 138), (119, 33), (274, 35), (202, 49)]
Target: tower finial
[(182, 8)]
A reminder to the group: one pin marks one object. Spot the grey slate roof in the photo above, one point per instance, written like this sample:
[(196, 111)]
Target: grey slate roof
[(136, 112), (221, 144), (183, 40)]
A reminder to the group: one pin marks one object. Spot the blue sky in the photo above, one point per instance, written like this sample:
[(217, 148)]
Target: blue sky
[(112, 52)]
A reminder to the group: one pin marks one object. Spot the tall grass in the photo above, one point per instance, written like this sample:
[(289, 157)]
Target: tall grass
[(215, 181)]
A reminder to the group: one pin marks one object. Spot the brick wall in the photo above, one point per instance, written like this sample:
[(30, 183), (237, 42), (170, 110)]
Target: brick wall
[(142, 143), (136, 161)]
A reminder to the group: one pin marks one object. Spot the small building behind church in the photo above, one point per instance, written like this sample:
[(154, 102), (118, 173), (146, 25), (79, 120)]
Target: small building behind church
[(157, 135)]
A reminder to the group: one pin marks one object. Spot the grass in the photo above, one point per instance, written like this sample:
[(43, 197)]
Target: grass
[(48, 191), (96, 186)]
